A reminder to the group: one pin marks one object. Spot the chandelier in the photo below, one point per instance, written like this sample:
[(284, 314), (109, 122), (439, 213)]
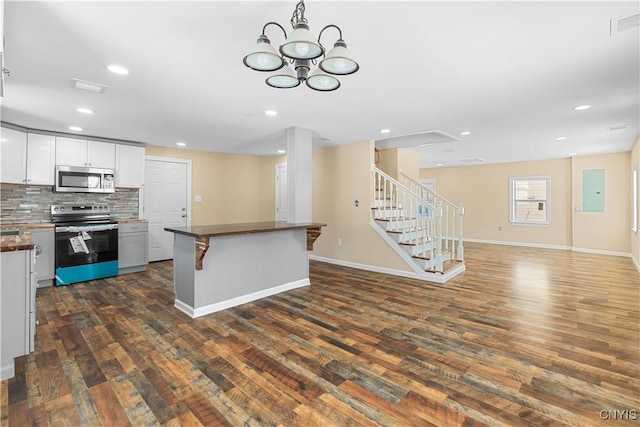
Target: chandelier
[(301, 51)]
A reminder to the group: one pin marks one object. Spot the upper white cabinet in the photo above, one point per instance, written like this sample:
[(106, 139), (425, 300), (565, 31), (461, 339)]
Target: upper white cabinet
[(129, 166), (27, 158), (80, 152), (13, 152), (41, 159)]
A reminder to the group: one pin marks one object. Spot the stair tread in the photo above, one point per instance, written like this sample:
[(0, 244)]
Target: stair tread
[(427, 255), (416, 242), (446, 266)]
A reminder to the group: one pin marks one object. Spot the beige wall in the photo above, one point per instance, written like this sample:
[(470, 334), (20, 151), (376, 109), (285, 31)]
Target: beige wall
[(635, 237), (484, 192), (388, 162), (228, 183), (409, 163), (608, 230), (396, 160), (340, 176)]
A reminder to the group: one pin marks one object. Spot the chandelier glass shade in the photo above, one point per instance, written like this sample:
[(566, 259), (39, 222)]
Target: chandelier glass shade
[(301, 51)]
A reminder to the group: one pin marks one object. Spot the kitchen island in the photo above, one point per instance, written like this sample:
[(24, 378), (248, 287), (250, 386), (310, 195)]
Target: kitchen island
[(17, 297), (221, 266)]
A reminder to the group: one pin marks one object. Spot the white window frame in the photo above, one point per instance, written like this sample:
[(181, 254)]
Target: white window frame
[(512, 201)]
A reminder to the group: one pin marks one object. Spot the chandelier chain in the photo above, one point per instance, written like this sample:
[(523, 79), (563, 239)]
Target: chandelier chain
[(298, 14)]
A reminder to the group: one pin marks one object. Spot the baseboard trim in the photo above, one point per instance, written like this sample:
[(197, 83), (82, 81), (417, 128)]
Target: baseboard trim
[(635, 262), (8, 371), (429, 277), (601, 252), (522, 244), (545, 246), (233, 302)]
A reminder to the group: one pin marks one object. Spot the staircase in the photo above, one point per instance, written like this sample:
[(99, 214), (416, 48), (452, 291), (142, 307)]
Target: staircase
[(424, 228)]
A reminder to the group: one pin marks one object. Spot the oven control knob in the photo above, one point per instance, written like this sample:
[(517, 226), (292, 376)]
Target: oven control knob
[(62, 208)]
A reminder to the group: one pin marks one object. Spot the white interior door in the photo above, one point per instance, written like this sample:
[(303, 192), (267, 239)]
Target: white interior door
[(282, 201), (165, 204)]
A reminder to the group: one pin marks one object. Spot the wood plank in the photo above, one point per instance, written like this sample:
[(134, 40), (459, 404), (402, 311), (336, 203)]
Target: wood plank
[(109, 408), (524, 336)]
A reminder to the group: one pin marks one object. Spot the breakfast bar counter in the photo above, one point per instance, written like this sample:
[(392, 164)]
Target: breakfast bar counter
[(223, 265)]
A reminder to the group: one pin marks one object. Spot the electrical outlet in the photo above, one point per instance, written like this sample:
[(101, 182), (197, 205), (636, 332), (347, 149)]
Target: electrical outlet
[(339, 242)]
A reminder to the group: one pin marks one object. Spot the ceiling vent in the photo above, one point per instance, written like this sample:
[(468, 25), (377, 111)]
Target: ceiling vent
[(415, 139), (621, 127), (89, 86), (475, 160), (625, 22)]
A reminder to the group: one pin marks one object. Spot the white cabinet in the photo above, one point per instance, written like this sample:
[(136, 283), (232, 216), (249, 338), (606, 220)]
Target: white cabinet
[(80, 152), (133, 246), (129, 166), (44, 240), (13, 153), (17, 299), (27, 158), (41, 159)]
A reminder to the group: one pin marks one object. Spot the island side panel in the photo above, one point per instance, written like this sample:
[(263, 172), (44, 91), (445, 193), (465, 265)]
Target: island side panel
[(244, 267), (184, 259)]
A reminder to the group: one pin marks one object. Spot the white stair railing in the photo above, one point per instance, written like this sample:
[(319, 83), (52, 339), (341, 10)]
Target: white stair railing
[(452, 216), (416, 220)]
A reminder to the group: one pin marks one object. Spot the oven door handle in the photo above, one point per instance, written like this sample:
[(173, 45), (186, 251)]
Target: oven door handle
[(79, 229)]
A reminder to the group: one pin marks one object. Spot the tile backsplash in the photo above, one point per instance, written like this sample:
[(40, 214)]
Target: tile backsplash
[(31, 203)]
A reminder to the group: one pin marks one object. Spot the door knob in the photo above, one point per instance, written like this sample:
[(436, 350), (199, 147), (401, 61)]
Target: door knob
[(183, 215)]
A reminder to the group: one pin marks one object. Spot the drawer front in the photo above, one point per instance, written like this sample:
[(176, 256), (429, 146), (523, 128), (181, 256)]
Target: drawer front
[(132, 227)]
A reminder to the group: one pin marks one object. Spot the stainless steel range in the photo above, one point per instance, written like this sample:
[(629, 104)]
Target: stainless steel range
[(86, 243)]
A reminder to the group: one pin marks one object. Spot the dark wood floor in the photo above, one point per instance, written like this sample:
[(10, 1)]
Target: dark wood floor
[(524, 337)]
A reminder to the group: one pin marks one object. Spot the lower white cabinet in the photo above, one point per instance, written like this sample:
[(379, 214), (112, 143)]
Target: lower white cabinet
[(18, 308), (44, 239), (133, 247)]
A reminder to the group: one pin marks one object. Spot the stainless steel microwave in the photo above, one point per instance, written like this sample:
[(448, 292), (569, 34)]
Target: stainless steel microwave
[(74, 179)]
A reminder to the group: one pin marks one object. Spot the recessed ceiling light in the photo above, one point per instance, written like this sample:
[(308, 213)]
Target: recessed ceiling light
[(621, 127), (465, 133), (582, 107), (84, 110), (572, 154), (75, 128), (561, 138), (271, 113), (425, 145), (181, 144), (439, 164), (117, 69), (385, 130), (281, 151)]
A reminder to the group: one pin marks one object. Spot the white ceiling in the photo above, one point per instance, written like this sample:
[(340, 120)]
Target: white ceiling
[(509, 72)]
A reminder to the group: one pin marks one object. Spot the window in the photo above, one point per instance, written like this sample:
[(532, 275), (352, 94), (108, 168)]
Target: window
[(529, 200)]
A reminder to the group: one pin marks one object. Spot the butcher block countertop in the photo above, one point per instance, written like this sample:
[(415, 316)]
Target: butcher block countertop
[(131, 220), (200, 231), (18, 242)]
